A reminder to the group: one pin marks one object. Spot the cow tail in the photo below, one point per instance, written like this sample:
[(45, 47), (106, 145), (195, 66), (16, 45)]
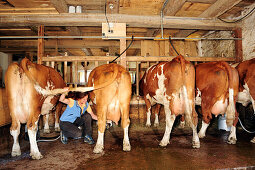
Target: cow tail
[(24, 65), (230, 112), (188, 108), (109, 81)]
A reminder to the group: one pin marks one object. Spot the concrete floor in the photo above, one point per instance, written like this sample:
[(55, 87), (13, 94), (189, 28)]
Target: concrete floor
[(145, 153)]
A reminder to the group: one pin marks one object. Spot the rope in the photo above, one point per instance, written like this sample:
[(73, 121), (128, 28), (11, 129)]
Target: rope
[(244, 127), (124, 50), (173, 45)]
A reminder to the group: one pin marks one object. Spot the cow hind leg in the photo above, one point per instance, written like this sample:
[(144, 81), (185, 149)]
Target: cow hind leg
[(232, 136), (169, 124), (57, 116), (15, 131), (125, 124), (34, 151), (203, 129), (148, 112), (101, 115), (46, 128), (157, 110)]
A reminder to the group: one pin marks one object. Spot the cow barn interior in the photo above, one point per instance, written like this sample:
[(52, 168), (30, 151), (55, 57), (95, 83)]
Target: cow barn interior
[(76, 36)]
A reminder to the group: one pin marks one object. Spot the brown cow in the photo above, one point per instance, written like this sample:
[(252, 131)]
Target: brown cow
[(216, 93), (112, 99), (172, 84), (246, 95), (25, 84)]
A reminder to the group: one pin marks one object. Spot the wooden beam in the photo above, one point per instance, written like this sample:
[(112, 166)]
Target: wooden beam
[(215, 10), (219, 8), (238, 45), (123, 46), (60, 6), (74, 31), (88, 19), (40, 51), (65, 71), (173, 6), (63, 43), (130, 58)]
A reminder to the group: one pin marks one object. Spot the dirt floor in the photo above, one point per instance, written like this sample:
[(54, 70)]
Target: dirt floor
[(145, 153)]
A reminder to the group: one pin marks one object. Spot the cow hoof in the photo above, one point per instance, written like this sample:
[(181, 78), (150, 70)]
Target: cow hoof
[(253, 140), (46, 130), (156, 124), (98, 148), (232, 141), (148, 125), (126, 147), (195, 145), (36, 155), (201, 135), (57, 129), (163, 143), (16, 153)]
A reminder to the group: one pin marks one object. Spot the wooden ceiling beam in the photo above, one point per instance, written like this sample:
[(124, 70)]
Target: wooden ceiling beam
[(66, 43), (215, 10), (173, 6), (131, 20), (219, 8), (60, 6)]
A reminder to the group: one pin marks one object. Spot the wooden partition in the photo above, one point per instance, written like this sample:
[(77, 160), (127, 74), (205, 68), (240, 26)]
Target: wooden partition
[(138, 59), (5, 117)]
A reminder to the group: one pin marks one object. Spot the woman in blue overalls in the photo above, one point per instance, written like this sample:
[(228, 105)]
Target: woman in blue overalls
[(78, 114)]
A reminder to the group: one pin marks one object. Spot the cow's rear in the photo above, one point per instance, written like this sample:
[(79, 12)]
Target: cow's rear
[(25, 100), (172, 84), (112, 100)]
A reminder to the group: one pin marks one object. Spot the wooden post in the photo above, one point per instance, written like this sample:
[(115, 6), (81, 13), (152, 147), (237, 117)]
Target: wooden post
[(238, 45), (52, 64), (71, 72), (76, 73), (40, 47), (65, 71), (85, 72), (123, 46), (96, 63), (137, 78)]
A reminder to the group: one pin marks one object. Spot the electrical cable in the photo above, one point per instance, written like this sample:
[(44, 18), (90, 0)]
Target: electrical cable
[(251, 11), (106, 17), (173, 45), (124, 50)]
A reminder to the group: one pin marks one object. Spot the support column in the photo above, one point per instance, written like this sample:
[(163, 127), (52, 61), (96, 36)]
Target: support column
[(238, 45), (137, 78), (123, 46), (40, 46)]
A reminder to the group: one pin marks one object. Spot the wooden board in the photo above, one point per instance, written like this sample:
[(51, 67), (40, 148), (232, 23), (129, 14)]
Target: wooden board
[(5, 117)]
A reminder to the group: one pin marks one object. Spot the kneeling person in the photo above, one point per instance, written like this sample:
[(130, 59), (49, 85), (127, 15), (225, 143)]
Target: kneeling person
[(78, 113)]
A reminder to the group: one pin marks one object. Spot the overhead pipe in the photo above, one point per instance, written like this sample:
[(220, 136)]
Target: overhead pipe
[(105, 37)]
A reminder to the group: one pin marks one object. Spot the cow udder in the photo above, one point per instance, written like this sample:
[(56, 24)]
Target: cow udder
[(113, 112)]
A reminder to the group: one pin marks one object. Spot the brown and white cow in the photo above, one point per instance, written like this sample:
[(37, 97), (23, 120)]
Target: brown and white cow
[(216, 93), (112, 99), (246, 95), (25, 84), (172, 84)]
